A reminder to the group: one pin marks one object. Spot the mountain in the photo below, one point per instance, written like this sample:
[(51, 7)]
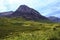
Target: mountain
[(54, 19), (28, 13), (24, 12)]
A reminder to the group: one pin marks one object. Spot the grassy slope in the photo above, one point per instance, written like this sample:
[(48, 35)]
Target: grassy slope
[(20, 29)]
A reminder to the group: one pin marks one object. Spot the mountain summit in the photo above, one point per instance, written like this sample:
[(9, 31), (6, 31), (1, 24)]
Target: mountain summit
[(23, 8)]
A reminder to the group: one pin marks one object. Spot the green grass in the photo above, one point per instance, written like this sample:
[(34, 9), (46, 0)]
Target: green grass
[(21, 29)]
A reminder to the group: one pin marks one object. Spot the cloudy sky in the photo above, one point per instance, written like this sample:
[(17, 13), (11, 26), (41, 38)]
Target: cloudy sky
[(45, 7)]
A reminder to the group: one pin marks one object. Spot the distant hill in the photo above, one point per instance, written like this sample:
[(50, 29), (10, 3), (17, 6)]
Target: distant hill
[(54, 19), (5, 13)]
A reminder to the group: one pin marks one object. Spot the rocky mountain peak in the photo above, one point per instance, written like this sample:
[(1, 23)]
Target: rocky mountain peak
[(24, 9)]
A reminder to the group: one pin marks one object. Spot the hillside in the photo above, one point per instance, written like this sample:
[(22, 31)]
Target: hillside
[(20, 29)]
